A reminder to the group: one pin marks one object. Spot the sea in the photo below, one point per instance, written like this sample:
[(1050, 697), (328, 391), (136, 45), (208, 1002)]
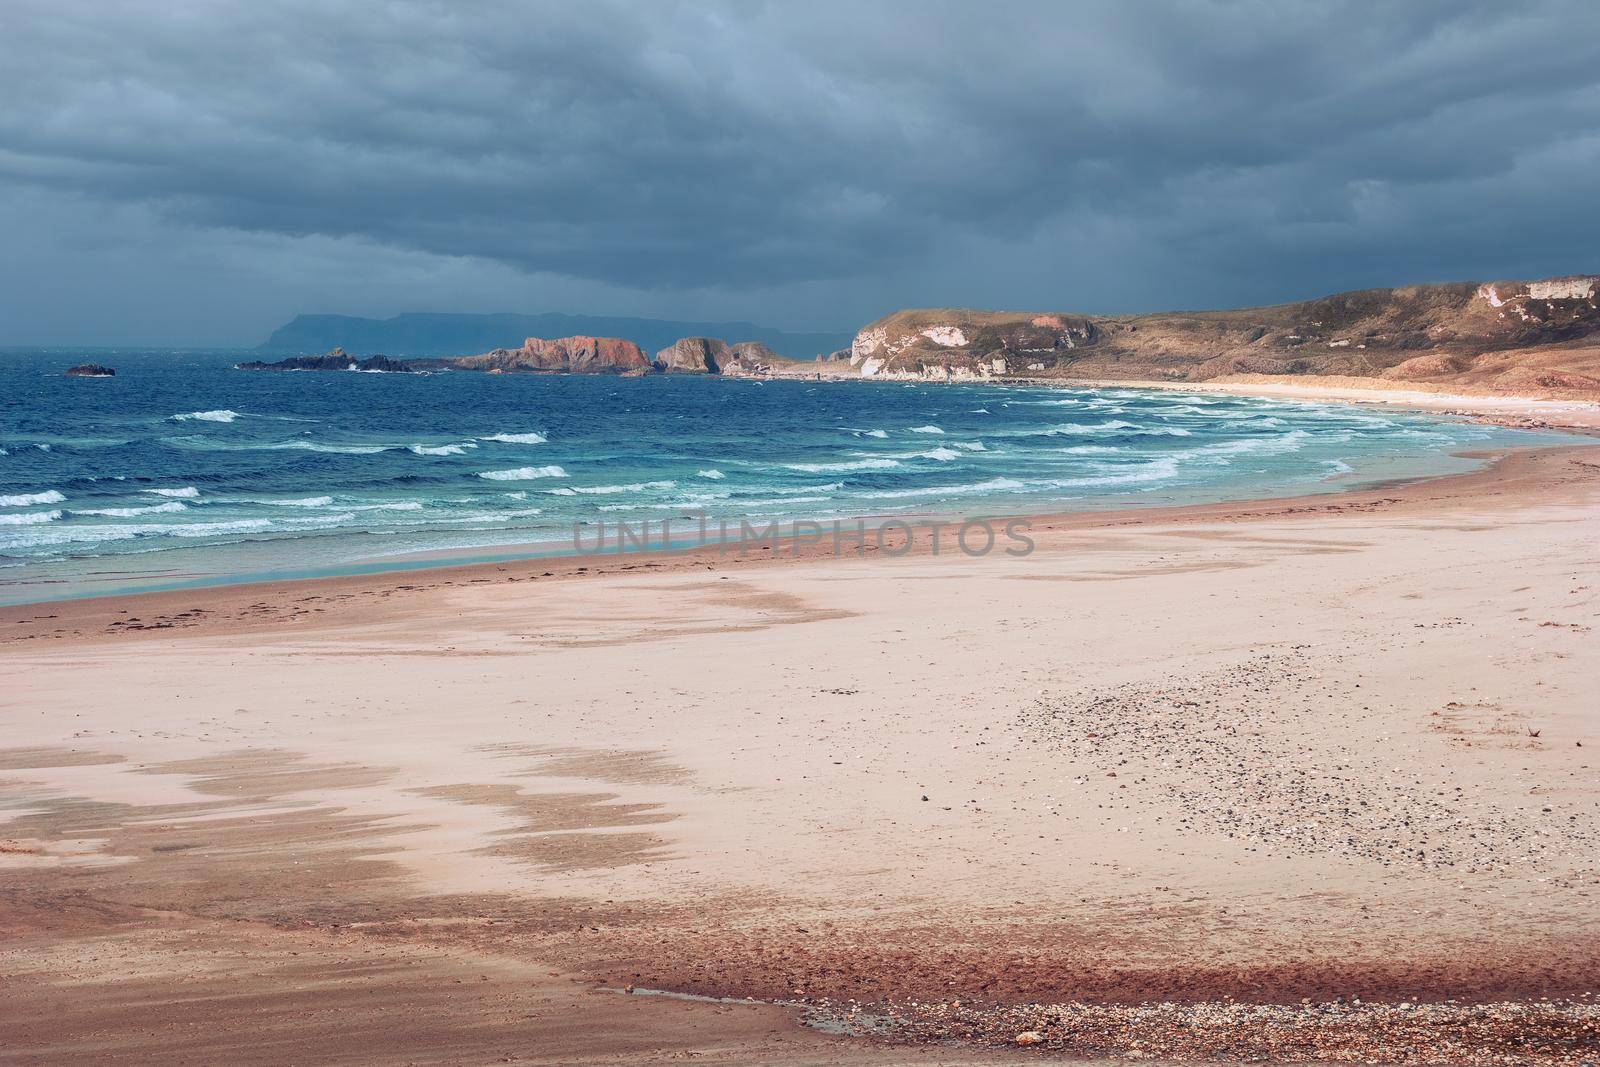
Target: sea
[(181, 471)]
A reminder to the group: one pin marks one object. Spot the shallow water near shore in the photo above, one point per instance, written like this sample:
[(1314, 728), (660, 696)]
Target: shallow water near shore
[(182, 471)]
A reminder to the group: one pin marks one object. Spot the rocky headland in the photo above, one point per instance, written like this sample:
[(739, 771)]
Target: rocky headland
[(1538, 339), (564, 355)]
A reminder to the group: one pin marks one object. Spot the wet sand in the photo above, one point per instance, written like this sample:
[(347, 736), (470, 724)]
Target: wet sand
[(1180, 782)]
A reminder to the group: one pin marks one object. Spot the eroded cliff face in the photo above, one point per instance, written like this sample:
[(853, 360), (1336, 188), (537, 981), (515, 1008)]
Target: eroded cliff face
[(694, 355), (575, 355), (1516, 336)]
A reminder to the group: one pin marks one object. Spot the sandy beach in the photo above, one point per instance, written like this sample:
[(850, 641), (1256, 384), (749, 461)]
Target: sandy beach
[(1299, 780)]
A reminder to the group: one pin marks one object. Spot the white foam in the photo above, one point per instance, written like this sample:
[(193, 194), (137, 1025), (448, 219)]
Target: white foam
[(870, 433), (321, 520), (969, 446), (222, 415), (517, 438), (828, 488), (925, 429), (395, 505), (128, 513), (943, 455), (188, 492), (1068, 428), (1154, 471), (788, 500), (852, 465), (990, 486), (442, 450), (714, 474), (1267, 446), (347, 450), (212, 529), (22, 500), (29, 518), (608, 490), (523, 474), (301, 502)]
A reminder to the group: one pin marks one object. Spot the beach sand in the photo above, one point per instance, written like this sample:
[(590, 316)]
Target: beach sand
[(1291, 779)]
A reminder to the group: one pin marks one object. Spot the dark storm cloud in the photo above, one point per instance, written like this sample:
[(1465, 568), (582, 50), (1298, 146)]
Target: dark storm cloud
[(819, 155)]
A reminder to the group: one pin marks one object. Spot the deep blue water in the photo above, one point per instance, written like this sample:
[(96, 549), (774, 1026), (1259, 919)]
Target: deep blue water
[(183, 470)]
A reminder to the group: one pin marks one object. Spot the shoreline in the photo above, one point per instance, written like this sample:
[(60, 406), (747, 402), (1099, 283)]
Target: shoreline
[(239, 603), (926, 799), (1573, 418)]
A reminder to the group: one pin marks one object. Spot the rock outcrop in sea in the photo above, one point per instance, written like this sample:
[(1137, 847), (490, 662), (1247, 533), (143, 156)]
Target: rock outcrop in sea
[(91, 370), (563, 355), (695, 355), (338, 359), (568, 355)]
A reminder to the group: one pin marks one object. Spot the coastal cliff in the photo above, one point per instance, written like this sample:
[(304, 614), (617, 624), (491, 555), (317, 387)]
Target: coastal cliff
[(1531, 339), (710, 355), (1524, 338), (568, 355), (695, 355), (563, 355)]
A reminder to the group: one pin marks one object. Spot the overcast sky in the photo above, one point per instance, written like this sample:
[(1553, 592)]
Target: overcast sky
[(176, 172)]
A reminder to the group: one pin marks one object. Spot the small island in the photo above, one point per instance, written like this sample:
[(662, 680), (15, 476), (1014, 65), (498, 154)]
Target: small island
[(338, 359), (90, 370)]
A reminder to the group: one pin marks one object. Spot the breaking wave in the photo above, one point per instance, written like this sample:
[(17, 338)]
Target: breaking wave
[(850, 465), (523, 474), (29, 518), (22, 500), (442, 450), (128, 513), (517, 438), (609, 490)]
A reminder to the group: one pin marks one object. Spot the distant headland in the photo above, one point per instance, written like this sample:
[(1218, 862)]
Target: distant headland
[(427, 334), (1514, 338)]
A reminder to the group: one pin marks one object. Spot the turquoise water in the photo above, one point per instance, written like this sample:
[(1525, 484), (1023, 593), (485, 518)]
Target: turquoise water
[(184, 471)]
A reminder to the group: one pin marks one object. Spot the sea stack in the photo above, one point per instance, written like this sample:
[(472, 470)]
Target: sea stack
[(90, 370)]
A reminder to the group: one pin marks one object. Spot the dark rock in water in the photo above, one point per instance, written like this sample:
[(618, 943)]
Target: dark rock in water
[(385, 364), (338, 359), (90, 370), (694, 355)]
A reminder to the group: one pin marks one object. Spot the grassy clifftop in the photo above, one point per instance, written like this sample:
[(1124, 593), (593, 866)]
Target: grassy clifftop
[(1520, 337)]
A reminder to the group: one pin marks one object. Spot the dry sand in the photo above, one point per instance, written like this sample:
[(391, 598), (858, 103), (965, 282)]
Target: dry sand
[(1292, 753)]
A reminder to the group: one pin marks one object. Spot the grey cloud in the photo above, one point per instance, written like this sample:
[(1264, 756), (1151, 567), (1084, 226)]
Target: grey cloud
[(822, 161)]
